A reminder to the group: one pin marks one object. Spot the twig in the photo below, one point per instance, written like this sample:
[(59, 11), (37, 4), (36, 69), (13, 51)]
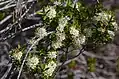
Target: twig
[(25, 29), (7, 7), (5, 2), (10, 3), (7, 28), (5, 19), (14, 5), (65, 62), (26, 12), (6, 73)]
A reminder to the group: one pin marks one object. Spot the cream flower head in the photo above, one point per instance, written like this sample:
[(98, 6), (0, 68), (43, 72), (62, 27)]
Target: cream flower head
[(17, 55), (32, 62), (52, 54), (50, 68), (41, 32), (74, 32), (51, 13)]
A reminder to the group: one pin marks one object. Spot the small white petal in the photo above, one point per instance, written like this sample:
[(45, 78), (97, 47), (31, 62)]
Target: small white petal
[(74, 32), (17, 55), (32, 62), (41, 32), (50, 68), (52, 54), (51, 13)]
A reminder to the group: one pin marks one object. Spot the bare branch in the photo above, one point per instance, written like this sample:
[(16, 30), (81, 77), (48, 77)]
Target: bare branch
[(5, 2), (5, 19)]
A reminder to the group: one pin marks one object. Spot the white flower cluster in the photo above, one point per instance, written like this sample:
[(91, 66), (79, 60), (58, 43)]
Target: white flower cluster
[(57, 3), (88, 32), (101, 29), (41, 32), (82, 39), (111, 33), (31, 41), (62, 23), (56, 44), (17, 55), (78, 40), (52, 54), (115, 25), (103, 16), (50, 68), (32, 62), (60, 35), (50, 10), (74, 32)]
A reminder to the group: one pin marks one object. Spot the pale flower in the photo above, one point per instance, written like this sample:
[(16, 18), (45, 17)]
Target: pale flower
[(101, 29), (17, 55), (52, 54), (50, 68), (60, 28), (57, 3), (103, 16), (115, 25), (88, 32), (111, 33), (74, 32), (80, 40), (32, 62), (60, 36), (57, 44), (51, 13), (31, 41), (77, 42), (41, 32), (62, 23)]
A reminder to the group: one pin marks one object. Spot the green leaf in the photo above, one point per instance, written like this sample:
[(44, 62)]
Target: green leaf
[(92, 64), (70, 75), (2, 15), (72, 64), (117, 66), (69, 2), (40, 13)]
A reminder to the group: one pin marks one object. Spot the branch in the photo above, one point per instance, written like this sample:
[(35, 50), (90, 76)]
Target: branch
[(11, 26), (14, 34), (14, 5), (7, 72), (4, 2), (65, 62), (5, 19)]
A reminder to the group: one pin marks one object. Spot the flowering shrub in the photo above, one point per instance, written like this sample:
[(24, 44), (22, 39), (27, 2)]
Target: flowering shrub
[(67, 24)]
